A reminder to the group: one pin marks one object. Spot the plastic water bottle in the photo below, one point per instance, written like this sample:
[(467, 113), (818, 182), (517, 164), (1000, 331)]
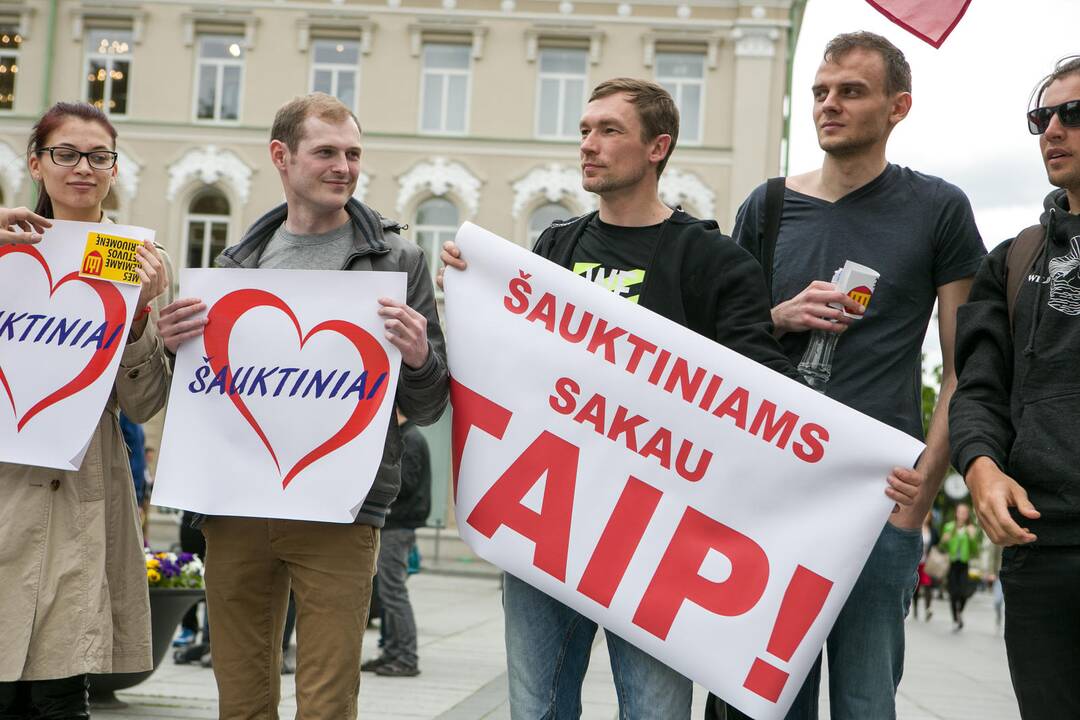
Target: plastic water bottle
[(816, 363)]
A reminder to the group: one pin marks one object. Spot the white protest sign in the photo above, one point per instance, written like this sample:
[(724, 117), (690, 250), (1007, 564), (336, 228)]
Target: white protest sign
[(61, 340), (711, 511), (281, 409)]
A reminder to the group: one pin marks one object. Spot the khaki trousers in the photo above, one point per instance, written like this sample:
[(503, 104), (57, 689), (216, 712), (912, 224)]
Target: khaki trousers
[(250, 565)]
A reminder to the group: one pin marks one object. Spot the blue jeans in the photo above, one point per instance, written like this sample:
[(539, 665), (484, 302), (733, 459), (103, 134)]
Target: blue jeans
[(547, 653), (866, 645)]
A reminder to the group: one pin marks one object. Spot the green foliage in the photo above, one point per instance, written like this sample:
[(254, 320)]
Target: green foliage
[(930, 396)]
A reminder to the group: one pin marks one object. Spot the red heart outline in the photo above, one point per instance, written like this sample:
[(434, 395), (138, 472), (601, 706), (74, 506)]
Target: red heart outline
[(112, 301), (220, 321), (879, 5)]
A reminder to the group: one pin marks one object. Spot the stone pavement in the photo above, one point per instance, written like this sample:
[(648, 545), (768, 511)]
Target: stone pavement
[(947, 676)]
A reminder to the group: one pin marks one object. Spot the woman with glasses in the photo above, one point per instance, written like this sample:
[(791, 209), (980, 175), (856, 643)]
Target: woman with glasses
[(73, 594)]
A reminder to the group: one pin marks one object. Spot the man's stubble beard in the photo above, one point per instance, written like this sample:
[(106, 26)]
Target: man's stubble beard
[(849, 147), (608, 184), (1069, 180)]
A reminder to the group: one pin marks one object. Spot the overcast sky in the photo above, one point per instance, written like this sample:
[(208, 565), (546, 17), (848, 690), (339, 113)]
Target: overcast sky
[(967, 120)]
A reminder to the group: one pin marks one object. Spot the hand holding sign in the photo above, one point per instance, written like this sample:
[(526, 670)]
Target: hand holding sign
[(20, 225), (451, 258), (406, 330), (181, 320), (153, 276)]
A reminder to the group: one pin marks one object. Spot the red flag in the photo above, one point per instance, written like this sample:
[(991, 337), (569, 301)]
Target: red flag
[(929, 20)]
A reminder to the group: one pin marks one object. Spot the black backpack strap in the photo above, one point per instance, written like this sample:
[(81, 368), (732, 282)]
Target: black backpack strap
[(774, 208), (1019, 259)]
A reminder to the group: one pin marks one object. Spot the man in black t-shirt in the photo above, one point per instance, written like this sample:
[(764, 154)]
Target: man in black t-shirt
[(675, 265), (918, 232)]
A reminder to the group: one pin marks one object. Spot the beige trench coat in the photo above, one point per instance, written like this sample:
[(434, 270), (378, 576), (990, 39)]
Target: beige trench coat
[(73, 593)]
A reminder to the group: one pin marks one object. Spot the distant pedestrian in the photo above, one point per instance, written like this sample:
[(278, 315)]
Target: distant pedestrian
[(408, 512), (925, 589), (961, 540)]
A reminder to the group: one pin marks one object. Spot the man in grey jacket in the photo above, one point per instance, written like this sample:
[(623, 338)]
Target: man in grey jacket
[(252, 562)]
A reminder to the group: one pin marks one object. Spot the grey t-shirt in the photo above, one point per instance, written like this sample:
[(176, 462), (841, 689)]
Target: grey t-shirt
[(325, 251), (918, 231)]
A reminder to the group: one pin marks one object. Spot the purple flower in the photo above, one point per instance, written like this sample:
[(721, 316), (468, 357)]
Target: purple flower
[(184, 558)]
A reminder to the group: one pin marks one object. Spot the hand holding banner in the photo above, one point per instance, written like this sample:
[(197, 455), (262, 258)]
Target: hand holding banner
[(697, 504), (281, 409), (61, 340)]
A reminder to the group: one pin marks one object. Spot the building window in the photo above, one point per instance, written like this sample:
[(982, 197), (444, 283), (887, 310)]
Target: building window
[(108, 67), (10, 42), (206, 227), (683, 75), (543, 216), (436, 222), (444, 89), (219, 75), (334, 68), (561, 93)]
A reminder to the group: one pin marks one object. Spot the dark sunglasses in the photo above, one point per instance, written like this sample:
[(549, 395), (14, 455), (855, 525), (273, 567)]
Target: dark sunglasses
[(1039, 118)]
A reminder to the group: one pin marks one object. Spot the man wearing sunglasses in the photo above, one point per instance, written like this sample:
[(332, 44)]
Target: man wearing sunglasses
[(1014, 411)]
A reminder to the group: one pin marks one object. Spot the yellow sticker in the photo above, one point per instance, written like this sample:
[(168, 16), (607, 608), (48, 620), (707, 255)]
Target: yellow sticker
[(110, 257)]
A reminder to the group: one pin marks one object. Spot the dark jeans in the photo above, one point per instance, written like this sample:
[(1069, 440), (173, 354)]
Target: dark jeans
[(398, 622), (866, 645), (959, 589), (1042, 629), (62, 699)]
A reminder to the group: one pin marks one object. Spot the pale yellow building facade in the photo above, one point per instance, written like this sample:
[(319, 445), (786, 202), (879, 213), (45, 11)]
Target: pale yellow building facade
[(469, 108), (472, 102)]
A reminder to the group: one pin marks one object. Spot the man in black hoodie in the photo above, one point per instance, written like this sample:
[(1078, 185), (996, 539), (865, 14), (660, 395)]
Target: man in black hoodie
[(1010, 418), (684, 269)]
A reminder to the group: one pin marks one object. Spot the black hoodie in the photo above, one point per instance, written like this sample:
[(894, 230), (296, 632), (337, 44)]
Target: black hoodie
[(1018, 394), (698, 278)]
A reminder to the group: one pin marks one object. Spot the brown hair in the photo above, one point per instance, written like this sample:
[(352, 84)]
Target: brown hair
[(1068, 65), (654, 105), (53, 118), (289, 121), (897, 70)]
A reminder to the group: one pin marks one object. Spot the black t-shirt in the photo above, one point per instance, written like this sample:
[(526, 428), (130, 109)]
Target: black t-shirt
[(918, 231), (616, 258)]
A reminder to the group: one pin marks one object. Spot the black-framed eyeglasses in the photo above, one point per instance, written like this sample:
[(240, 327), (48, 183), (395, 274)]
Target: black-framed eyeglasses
[(70, 157), (1039, 118)]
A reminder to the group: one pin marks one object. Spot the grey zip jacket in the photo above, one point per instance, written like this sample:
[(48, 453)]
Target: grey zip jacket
[(422, 393)]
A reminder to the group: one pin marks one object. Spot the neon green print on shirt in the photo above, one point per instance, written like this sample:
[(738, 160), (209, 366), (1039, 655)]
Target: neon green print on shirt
[(620, 282)]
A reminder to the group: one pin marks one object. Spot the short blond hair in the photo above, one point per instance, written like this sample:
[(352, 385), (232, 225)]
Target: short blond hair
[(289, 120)]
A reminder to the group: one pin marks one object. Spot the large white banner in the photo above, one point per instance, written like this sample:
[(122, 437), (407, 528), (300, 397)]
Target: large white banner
[(281, 409), (697, 504), (61, 340)]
